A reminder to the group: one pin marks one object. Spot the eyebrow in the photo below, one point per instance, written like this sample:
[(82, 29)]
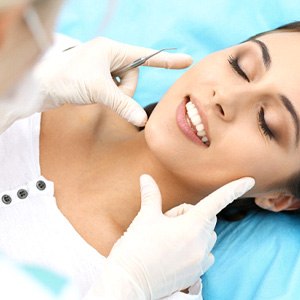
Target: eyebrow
[(284, 100), (265, 53), (291, 109)]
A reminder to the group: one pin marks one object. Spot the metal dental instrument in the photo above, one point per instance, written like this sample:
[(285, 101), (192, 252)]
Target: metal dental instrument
[(138, 62)]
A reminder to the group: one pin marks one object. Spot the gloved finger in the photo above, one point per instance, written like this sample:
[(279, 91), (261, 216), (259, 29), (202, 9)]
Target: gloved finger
[(208, 262), (161, 60), (208, 224), (123, 105), (213, 221), (211, 205), (150, 195), (179, 210), (196, 288), (129, 82), (169, 60), (212, 241)]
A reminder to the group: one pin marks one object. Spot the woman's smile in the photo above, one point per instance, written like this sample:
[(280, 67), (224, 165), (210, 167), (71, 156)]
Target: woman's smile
[(192, 121)]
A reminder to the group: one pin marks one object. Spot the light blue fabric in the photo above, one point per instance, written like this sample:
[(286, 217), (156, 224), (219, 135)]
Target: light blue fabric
[(256, 258), (39, 283), (51, 281)]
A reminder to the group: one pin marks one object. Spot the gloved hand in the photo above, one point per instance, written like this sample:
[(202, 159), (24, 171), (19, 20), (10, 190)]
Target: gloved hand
[(161, 254), (82, 75), (197, 286)]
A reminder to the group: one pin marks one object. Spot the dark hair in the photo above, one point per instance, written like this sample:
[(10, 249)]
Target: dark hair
[(240, 208), (290, 27)]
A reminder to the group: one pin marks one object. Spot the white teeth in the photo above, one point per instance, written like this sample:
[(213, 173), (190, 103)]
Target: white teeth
[(200, 127), (195, 119), (190, 105), (201, 133), (193, 112)]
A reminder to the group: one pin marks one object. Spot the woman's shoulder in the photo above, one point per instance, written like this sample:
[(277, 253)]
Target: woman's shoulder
[(70, 135), (95, 121)]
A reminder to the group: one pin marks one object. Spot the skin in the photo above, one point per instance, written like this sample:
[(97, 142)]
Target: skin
[(95, 158), (238, 145), (18, 49)]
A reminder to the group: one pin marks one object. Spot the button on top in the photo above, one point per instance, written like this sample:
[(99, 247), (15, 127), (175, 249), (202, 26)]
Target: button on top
[(41, 185), (6, 199), (22, 194)]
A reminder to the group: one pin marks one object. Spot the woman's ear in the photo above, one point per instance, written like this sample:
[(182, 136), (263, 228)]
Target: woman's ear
[(278, 202)]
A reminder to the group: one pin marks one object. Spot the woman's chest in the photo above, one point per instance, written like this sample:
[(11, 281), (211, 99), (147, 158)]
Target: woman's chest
[(95, 226), (89, 207), (83, 167)]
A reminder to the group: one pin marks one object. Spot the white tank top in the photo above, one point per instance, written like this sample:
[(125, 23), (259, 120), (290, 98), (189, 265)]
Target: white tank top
[(32, 228)]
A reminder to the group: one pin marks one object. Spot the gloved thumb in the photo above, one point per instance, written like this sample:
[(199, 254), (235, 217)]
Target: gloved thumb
[(208, 262), (178, 210), (123, 105), (211, 205), (129, 82), (150, 195)]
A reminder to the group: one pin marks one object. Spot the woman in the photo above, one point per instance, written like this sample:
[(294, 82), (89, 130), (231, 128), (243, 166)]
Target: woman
[(25, 33), (246, 98)]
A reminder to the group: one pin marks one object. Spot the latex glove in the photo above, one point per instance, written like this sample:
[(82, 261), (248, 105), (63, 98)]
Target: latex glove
[(196, 289), (179, 210), (82, 75), (163, 254)]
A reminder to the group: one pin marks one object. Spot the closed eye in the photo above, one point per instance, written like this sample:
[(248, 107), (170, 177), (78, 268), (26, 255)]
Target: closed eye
[(263, 124), (234, 63)]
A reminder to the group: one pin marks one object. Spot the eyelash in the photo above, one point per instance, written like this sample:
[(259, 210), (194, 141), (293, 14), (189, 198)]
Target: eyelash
[(234, 63), (263, 125)]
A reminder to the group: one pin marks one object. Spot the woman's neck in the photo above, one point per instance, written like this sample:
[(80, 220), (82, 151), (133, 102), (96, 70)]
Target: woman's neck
[(119, 167), (95, 159)]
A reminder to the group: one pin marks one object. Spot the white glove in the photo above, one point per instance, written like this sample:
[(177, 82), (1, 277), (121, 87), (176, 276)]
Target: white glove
[(161, 254), (82, 75), (194, 291)]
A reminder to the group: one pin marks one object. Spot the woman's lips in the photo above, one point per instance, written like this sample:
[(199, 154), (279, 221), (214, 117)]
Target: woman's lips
[(202, 115), (185, 126)]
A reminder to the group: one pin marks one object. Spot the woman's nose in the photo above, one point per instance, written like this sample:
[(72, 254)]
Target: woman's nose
[(229, 101)]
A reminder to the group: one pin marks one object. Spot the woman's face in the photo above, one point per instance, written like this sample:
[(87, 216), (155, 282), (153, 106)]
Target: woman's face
[(248, 98)]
